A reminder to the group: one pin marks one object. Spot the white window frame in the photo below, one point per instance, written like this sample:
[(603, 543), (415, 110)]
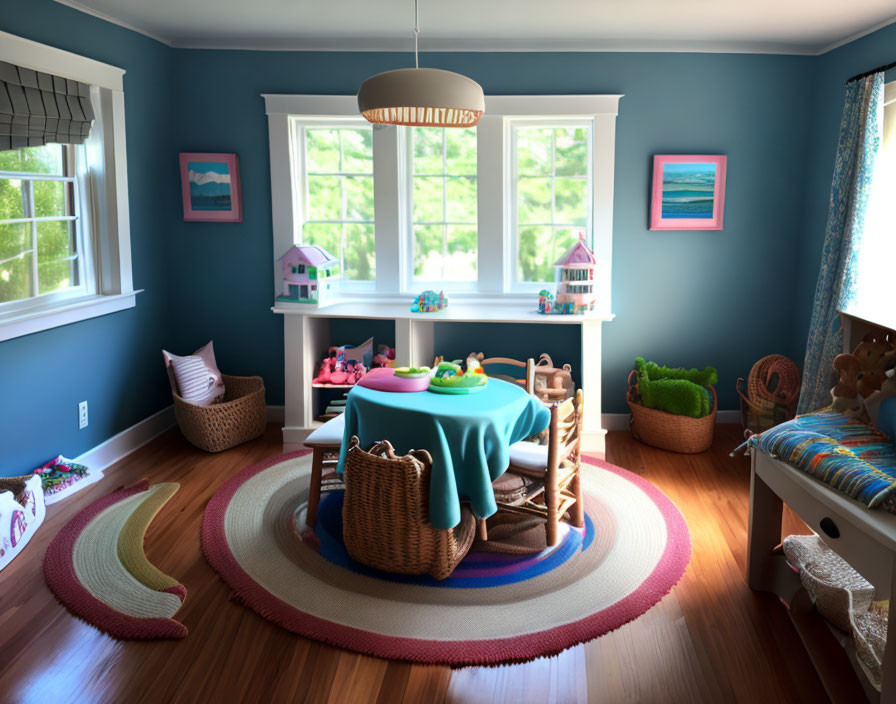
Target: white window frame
[(77, 177), (516, 285), (300, 186), (416, 284), (103, 196), (496, 262)]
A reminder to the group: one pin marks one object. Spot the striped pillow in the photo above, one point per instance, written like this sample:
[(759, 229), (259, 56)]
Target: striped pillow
[(198, 380)]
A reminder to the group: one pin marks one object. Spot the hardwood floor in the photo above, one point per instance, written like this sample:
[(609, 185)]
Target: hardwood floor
[(710, 640)]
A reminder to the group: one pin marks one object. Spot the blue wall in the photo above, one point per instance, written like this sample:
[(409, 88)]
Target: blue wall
[(683, 298), (831, 71), (113, 362)]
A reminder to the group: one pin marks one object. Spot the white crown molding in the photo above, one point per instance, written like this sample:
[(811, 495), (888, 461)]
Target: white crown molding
[(447, 45), (857, 35), (435, 44), (109, 18)]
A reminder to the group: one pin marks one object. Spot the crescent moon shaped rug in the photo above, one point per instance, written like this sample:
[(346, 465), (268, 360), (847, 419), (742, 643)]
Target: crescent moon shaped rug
[(493, 609), (97, 568)]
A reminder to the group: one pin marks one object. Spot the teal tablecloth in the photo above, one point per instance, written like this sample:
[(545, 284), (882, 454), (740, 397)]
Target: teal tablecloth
[(468, 437)]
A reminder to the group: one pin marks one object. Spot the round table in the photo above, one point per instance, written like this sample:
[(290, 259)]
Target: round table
[(468, 436)]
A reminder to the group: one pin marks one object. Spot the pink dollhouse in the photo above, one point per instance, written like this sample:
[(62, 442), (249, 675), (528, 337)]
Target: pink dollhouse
[(309, 273), (574, 274)]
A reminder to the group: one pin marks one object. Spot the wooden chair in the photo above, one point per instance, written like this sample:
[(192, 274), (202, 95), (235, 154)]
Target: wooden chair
[(385, 515), (544, 480), (527, 382), (325, 442)]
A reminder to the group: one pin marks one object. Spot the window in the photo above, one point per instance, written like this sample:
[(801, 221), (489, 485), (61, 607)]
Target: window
[(551, 179), (338, 196), (42, 245), (65, 254), (443, 204), (482, 212), (875, 258)]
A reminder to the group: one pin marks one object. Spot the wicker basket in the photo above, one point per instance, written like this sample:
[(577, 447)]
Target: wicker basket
[(667, 430), (241, 416), (385, 514)]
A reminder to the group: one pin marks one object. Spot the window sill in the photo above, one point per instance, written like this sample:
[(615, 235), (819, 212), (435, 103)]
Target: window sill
[(26, 322), (506, 308)]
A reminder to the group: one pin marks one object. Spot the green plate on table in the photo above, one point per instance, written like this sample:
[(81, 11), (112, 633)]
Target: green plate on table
[(456, 389)]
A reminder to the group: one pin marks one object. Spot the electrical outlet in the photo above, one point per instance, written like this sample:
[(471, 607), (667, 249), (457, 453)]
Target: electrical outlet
[(82, 415)]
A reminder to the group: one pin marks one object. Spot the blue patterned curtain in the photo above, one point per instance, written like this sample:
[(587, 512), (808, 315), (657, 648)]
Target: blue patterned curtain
[(861, 127)]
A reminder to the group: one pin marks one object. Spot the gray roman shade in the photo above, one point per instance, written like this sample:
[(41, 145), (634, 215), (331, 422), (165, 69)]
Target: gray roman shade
[(37, 108)]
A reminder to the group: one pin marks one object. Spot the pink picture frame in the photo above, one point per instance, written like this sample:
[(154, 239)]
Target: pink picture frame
[(688, 192), (210, 185)]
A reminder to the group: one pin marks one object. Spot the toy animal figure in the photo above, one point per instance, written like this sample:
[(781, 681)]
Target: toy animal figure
[(870, 353), (887, 388), (845, 395)]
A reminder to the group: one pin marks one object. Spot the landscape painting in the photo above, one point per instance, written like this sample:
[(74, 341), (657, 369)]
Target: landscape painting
[(688, 192), (211, 187)]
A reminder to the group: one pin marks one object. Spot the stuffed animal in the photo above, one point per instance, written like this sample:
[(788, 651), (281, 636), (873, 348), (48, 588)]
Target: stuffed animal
[(870, 353), (845, 394), (887, 389), (677, 391)]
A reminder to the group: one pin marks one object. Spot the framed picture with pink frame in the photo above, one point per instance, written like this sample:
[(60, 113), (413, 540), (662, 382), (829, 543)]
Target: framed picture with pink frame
[(688, 192), (210, 185)]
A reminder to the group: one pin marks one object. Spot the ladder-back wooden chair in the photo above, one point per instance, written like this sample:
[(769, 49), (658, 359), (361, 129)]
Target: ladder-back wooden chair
[(528, 380), (545, 480)]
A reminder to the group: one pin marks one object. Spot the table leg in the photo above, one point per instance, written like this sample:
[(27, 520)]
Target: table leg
[(483, 530)]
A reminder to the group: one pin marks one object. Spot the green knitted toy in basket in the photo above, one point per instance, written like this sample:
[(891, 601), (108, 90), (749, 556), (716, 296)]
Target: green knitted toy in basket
[(680, 391)]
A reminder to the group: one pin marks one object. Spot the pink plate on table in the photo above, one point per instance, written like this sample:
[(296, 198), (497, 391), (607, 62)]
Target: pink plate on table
[(384, 379)]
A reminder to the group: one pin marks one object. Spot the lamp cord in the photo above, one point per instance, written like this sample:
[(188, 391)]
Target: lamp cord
[(416, 34)]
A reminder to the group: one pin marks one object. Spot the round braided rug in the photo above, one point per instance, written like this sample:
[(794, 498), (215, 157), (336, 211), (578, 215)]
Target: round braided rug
[(494, 609)]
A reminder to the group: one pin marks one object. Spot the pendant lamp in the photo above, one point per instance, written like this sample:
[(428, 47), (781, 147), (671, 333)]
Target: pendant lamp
[(422, 97)]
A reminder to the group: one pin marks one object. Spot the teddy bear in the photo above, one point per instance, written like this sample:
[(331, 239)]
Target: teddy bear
[(887, 389), (870, 353), (845, 394)]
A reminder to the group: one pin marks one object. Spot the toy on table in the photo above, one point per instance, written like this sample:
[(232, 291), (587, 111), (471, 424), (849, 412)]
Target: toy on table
[(310, 274), (574, 275), (450, 378), (401, 380), (429, 302)]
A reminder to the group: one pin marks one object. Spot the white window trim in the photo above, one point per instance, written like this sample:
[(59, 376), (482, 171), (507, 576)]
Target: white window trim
[(109, 214), (494, 201)]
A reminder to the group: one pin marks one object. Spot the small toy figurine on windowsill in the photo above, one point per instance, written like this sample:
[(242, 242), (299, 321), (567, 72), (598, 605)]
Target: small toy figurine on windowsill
[(429, 302)]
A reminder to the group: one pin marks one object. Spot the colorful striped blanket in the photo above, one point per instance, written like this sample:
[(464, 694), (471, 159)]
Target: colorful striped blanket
[(847, 455)]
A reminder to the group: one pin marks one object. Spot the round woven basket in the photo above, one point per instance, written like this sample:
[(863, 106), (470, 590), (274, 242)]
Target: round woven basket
[(240, 417), (667, 430)]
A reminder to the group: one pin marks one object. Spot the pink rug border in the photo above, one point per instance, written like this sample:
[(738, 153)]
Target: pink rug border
[(59, 572), (459, 653)]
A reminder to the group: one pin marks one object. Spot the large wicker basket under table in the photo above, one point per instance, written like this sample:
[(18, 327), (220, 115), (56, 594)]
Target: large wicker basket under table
[(669, 431), (241, 416), (385, 515)]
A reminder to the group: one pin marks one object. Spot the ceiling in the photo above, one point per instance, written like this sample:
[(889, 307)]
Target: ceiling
[(762, 26)]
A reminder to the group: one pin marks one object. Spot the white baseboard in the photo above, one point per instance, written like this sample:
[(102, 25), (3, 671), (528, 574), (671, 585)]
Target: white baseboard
[(128, 440), (620, 421), (124, 443)]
